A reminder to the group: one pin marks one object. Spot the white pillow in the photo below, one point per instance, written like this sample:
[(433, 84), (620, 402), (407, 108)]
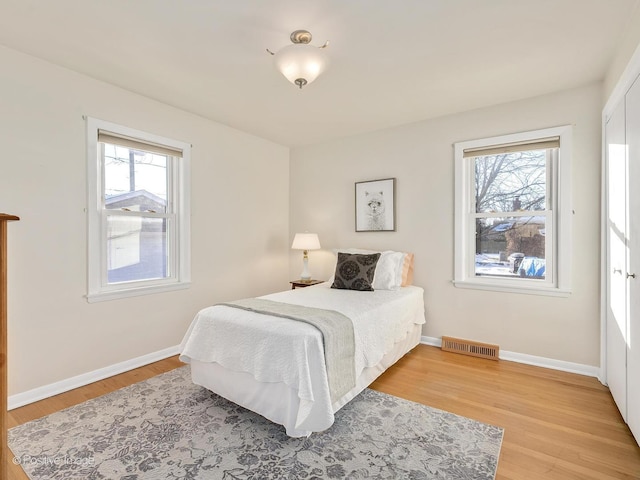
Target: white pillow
[(388, 275)]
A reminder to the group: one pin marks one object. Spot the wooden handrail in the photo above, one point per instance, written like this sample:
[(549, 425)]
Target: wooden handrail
[(4, 450)]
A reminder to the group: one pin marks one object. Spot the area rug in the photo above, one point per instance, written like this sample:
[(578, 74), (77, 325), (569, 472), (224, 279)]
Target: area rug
[(168, 428)]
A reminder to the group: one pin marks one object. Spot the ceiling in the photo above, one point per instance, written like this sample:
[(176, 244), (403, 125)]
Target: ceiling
[(392, 61)]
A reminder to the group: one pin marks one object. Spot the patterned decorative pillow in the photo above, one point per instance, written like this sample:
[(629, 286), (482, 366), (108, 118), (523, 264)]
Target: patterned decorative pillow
[(355, 271)]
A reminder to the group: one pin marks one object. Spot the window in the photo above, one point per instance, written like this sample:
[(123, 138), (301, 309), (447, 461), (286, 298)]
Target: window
[(138, 212), (513, 212)]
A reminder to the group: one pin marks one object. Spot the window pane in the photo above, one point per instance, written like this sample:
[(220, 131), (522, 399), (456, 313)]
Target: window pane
[(510, 247), (511, 182), (136, 248), (134, 180)]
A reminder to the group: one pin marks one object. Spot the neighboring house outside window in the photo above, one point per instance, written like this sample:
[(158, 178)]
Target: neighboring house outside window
[(138, 212), (513, 212)]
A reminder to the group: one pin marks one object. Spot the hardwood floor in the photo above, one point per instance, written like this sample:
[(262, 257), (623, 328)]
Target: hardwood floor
[(558, 426)]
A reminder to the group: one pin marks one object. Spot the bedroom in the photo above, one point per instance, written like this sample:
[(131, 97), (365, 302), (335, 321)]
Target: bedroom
[(250, 193)]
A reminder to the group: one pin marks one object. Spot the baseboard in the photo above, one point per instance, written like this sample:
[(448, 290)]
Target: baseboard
[(46, 391), (551, 363)]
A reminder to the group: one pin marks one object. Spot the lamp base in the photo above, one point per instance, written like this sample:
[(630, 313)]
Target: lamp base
[(305, 275)]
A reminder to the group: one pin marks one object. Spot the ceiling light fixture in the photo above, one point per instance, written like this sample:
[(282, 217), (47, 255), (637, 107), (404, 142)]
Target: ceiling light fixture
[(301, 62)]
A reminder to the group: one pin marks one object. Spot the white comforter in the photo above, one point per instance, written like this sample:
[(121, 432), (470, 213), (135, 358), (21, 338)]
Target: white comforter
[(274, 349)]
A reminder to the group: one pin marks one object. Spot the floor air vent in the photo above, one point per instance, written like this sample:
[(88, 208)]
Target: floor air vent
[(468, 347)]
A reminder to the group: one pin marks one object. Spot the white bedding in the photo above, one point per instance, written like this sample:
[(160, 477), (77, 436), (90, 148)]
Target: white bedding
[(279, 350)]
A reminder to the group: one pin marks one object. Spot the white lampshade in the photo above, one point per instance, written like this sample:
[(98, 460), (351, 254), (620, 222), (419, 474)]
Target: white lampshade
[(306, 241), (301, 63)]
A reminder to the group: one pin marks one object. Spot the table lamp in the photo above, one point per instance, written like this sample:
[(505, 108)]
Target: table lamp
[(305, 242)]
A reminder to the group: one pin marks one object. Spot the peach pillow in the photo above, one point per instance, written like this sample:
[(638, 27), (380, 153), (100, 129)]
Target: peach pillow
[(407, 270)]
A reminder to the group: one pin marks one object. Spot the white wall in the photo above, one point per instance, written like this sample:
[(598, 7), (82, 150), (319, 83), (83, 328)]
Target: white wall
[(240, 205), (626, 48), (420, 156)]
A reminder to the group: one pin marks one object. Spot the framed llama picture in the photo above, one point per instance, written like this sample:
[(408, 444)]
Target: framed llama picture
[(376, 205)]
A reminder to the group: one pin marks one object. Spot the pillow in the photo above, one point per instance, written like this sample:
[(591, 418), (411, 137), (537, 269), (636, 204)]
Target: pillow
[(390, 268), (355, 271), (388, 274), (407, 270)]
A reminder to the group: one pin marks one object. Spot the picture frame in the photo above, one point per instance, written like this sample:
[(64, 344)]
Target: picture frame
[(376, 205)]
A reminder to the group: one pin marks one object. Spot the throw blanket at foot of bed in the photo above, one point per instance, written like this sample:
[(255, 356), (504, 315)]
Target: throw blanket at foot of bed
[(337, 335)]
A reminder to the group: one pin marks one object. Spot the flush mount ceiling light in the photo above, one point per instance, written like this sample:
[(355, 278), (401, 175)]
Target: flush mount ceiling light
[(301, 62)]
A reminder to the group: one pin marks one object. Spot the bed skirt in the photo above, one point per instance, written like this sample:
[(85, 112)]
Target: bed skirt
[(278, 402)]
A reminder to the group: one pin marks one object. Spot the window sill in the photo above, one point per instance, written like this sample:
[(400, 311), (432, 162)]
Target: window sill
[(135, 292), (525, 289)]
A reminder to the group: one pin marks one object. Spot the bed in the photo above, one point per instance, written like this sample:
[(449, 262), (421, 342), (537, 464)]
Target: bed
[(276, 366)]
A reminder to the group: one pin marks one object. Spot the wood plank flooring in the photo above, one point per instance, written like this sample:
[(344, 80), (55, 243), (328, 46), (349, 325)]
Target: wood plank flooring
[(558, 426)]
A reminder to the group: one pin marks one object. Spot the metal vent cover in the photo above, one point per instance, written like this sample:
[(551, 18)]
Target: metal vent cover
[(470, 347)]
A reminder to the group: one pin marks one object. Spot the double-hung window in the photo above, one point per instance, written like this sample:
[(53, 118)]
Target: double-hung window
[(513, 212), (138, 212)]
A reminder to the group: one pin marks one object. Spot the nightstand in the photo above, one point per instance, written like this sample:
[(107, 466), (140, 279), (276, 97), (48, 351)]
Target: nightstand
[(304, 283)]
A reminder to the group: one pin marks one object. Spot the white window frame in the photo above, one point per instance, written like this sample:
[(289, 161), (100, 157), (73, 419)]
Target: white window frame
[(179, 242), (558, 228)]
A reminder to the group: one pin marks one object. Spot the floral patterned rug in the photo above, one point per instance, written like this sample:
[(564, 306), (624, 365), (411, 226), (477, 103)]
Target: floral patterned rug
[(168, 428)]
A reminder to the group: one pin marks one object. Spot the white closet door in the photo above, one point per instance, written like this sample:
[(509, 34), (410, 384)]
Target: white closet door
[(616, 157), (633, 260)]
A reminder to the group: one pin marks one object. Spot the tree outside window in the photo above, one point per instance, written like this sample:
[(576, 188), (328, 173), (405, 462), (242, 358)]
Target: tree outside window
[(510, 194)]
